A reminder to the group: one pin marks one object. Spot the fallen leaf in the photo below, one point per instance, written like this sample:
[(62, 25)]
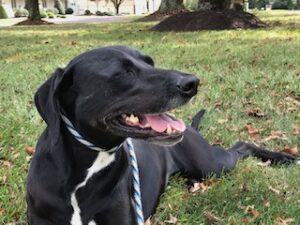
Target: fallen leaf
[(293, 100), (250, 209), (296, 131), (245, 187), (274, 190), (266, 204), (200, 186), (29, 150), (264, 164), (218, 104), (275, 135), (254, 133), (293, 150), (256, 112), (222, 121), (7, 164), (148, 222), (172, 219), (217, 142), (281, 221), (212, 218), (2, 210)]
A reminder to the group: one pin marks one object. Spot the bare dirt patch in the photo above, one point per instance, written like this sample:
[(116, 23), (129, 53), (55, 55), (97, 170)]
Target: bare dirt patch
[(210, 20), (33, 22)]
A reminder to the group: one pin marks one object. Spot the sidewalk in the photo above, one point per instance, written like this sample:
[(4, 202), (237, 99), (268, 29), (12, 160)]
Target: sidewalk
[(71, 19)]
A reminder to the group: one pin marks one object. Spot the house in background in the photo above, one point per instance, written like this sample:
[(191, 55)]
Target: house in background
[(133, 7)]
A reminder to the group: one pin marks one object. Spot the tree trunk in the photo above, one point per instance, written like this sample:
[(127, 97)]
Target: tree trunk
[(171, 6), (117, 9), (33, 8), (216, 4)]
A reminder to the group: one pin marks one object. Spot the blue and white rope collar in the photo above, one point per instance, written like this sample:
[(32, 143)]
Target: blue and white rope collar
[(79, 138), (137, 198)]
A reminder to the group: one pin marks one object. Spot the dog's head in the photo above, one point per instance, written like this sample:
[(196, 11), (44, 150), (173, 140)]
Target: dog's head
[(116, 92)]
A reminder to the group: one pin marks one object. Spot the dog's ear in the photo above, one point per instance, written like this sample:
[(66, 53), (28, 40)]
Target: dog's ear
[(47, 102)]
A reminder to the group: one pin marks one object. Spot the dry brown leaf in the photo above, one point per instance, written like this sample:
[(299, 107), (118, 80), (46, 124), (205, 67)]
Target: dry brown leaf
[(148, 222), (264, 164), (172, 219), (275, 135), (286, 221), (29, 150), (212, 218), (256, 112), (2, 210), (222, 121), (296, 131), (217, 142), (266, 204), (3, 179), (250, 209), (218, 104), (198, 186), (245, 187), (7, 164), (293, 100), (274, 190), (293, 150), (254, 133)]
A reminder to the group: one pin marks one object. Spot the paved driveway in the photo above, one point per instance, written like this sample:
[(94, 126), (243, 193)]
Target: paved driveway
[(72, 19)]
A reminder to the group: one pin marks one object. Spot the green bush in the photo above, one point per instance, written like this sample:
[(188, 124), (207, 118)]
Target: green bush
[(108, 14), (50, 15), (284, 4), (99, 13), (87, 12), (60, 7), (3, 14), (69, 11), (21, 13), (43, 14), (61, 16), (54, 11)]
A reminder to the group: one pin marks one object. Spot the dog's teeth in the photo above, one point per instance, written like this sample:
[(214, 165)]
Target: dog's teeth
[(133, 119), (169, 129), (124, 116)]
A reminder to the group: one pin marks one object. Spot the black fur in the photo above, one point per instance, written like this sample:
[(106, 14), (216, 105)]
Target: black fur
[(93, 89)]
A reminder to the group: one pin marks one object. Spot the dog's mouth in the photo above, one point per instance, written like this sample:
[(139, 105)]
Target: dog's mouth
[(161, 128)]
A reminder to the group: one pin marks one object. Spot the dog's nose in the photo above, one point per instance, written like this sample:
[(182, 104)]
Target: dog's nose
[(188, 85)]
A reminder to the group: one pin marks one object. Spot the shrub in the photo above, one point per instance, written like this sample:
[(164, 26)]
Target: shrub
[(60, 7), (99, 13), (54, 11), (43, 14), (61, 16), (69, 11), (3, 14), (21, 13), (108, 14), (87, 12), (50, 15)]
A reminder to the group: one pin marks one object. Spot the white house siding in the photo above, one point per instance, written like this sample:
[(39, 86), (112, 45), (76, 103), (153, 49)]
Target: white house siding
[(7, 6), (79, 6), (127, 7)]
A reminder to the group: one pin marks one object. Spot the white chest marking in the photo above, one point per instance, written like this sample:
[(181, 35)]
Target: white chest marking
[(103, 160)]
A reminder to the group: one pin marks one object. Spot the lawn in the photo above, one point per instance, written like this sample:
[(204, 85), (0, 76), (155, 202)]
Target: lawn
[(248, 77)]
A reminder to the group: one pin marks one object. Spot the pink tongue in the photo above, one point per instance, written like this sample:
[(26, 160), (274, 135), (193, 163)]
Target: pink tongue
[(160, 123)]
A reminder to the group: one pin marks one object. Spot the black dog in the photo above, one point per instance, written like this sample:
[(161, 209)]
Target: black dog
[(110, 94)]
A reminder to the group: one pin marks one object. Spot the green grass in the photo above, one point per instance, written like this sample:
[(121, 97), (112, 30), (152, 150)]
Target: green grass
[(260, 67)]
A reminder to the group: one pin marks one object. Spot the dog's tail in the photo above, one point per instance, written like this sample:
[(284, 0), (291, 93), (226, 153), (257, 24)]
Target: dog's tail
[(197, 118)]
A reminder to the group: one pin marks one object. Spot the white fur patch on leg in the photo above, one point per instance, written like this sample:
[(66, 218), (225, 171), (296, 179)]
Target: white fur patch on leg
[(103, 160), (298, 162), (92, 223)]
